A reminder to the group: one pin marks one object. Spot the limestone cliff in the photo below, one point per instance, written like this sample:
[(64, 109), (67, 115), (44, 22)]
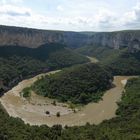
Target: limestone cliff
[(117, 39), (33, 38)]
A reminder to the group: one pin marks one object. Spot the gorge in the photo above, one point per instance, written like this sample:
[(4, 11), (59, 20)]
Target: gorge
[(28, 55)]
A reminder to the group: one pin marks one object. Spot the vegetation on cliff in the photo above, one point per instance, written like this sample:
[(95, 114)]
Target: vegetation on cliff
[(125, 61), (17, 62), (80, 84), (125, 64), (102, 53)]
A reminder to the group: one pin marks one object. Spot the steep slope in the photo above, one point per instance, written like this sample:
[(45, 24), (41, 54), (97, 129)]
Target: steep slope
[(100, 52), (34, 38), (118, 39), (17, 62), (121, 61), (126, 63)]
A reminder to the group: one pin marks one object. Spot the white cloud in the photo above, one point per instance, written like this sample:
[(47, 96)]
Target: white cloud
[(16, 1), (83, 16), (14, 10), (60, 8), (11, 2), (130, 19)]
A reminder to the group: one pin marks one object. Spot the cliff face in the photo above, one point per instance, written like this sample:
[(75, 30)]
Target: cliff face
[(117, 39), (34, 38), (27, 37)]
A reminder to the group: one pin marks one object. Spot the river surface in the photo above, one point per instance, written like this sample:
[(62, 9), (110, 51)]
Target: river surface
[(33, 110)]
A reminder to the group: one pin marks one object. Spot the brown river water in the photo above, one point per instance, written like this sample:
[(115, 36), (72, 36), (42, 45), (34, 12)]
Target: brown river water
[(33, 111)]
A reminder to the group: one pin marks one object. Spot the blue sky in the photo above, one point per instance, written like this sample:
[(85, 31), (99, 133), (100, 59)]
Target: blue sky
[(72, 15)]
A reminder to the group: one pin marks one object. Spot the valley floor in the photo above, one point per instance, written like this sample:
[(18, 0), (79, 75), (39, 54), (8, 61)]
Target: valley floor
[(32, 111)]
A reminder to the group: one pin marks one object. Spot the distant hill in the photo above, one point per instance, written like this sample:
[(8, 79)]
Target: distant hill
[(100, 52), (125, 63), (17, 63), (34, 38), (122, 61)]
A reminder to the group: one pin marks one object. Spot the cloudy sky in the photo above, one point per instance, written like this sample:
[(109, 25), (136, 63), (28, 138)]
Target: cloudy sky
[(76, 15)]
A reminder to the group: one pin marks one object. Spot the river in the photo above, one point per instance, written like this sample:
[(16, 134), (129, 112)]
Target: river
[(33, 111)]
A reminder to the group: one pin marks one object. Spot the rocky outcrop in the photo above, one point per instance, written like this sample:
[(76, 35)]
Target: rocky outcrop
[(34, 38), (27, 37), (134, 46), (116, 40)]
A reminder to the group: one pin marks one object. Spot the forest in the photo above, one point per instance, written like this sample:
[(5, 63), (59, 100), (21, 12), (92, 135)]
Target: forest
[(78, 84), (17, 63), (126, 64), (123, 61)]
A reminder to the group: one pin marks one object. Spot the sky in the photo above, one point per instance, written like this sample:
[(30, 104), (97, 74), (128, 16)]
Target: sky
[(71, 15)]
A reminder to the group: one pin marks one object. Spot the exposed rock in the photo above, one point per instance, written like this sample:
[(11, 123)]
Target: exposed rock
[(34, 38), (134, 46), (116, 40)]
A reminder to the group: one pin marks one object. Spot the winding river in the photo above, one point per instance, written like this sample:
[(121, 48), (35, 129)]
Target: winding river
[(33, 110)]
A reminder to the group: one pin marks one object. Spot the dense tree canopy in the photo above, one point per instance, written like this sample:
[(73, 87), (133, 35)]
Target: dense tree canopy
[(124, 61), (126, 64), (17, 62), (124, 127), (79, 84)]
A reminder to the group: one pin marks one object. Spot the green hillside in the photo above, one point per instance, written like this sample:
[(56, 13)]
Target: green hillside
[(102, 53), (80, 84), (17, 62), (125, 64), (119, 61)]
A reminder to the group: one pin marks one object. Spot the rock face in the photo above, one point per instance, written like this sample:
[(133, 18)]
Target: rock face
[(34, 38), (134, 46), (117, 40)]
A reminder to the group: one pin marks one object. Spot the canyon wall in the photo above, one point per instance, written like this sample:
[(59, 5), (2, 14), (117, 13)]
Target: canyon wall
[(117, 39), (34, 38)]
